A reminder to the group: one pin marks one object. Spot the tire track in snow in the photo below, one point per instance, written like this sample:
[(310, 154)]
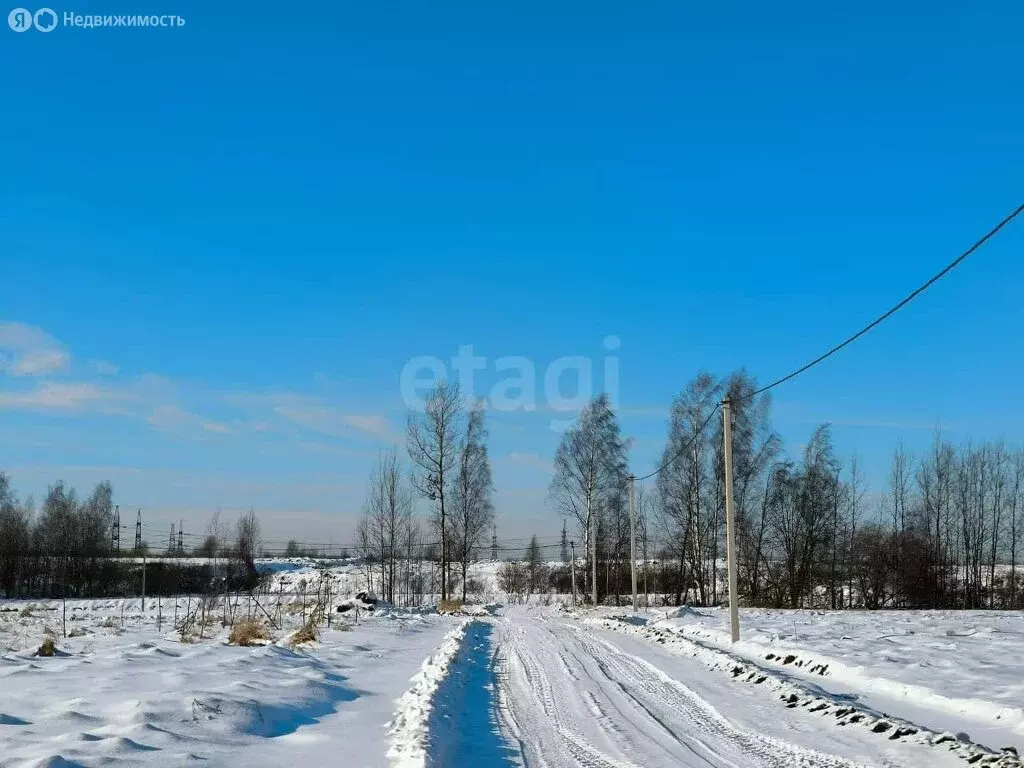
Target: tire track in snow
[(574, 701), (678, 709), (528, 706)]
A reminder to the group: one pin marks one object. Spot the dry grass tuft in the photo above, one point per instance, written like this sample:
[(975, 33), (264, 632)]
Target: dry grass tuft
[(26, 612), (247, 631), (449, 606), (307, 634), (47, 648)]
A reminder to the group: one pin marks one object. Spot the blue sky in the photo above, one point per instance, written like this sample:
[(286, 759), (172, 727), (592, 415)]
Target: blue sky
[(221, 243)]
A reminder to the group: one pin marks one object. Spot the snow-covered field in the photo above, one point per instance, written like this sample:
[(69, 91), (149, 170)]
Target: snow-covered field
[(139, 696), (533, 685), (961, 671)]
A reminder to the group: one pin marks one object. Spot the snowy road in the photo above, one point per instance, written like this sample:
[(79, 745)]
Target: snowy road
[(572, 699), (569, 695)]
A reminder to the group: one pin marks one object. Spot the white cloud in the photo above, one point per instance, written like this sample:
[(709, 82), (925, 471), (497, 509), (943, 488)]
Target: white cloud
[(39, 363), (72, 397), (29, 351), (103, 368), (531, 460), (375, 425), (317, 418), (330, 420), (171, 418), (21, 336)]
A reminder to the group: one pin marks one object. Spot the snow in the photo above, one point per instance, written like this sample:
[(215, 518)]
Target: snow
[(409, 728), (501, 686), (572, 693), (139, 696), (959, 671)]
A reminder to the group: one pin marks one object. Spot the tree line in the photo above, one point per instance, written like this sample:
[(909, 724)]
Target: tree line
[(66, 548), (945, 533)]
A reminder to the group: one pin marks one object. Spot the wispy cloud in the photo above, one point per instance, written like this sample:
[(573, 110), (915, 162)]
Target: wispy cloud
[(171, 418), (103, 368), (869, 422), (187, 410), (328, 419), (378, 426), (64, 397), (29, 351), (531, 460)]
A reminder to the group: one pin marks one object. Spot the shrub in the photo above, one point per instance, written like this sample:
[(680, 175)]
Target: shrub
[(475, 588), (247, 631), (307, 634), (47, 648), (449, 606)]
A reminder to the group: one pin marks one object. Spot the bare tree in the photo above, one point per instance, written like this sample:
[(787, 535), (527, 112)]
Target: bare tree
[(899, 488), (514, 580), (248, 534), (15, 533), (755, 447), (434, 443), (216, 538), (590, 469), (473, 510), (854, 497), (536, 569), (1015, 522), (387, 518), (687, 509)]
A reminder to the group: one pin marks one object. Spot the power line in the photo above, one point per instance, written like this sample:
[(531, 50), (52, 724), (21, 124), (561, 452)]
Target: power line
[(874, 323), (685, 447), (893, 310)]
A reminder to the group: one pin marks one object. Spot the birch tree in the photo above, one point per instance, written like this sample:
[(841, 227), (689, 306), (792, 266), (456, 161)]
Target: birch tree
[(473, 508), (434, 440), (388, 513), (590, 470)]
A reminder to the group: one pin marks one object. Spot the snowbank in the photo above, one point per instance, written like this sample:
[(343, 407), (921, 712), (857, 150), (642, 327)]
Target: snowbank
[(408, 730), (974, 729)]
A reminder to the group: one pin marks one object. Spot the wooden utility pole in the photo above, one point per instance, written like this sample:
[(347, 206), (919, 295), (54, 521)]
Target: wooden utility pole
[(64, 579), (632, 537), (730, 522), (572, 570), (593, 560), (143, 585)]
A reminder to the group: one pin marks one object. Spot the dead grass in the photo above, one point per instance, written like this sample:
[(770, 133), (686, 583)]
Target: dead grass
[(307, 634), (449, 606), (47, 648), (247, 631), (26, 612)]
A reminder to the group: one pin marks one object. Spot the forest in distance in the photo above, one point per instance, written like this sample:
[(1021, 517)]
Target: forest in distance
[(942, 530)]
